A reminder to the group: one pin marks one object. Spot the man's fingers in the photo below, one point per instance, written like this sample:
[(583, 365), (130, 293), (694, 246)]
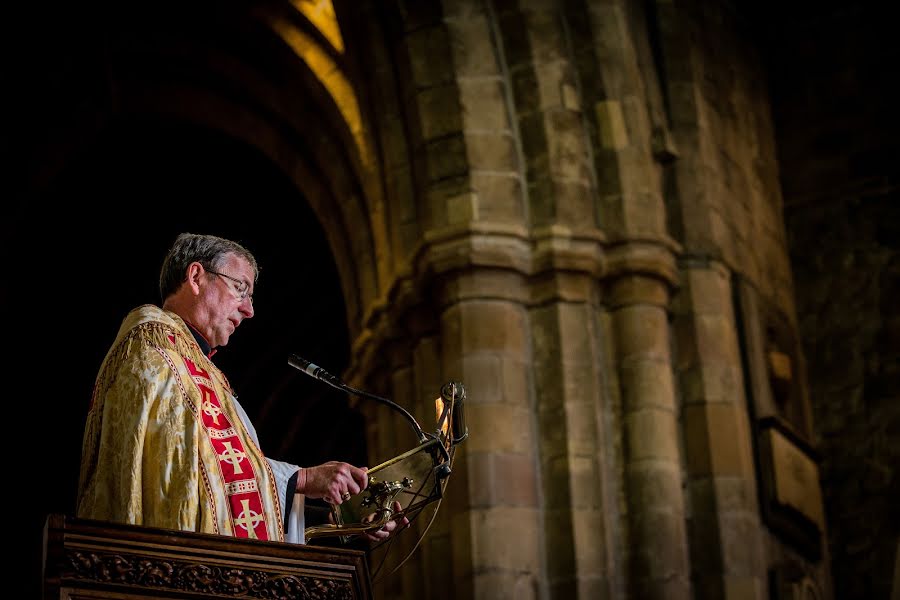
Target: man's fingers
[(360, 477), (397, 508)]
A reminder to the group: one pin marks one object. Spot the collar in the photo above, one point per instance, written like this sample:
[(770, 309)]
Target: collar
[(201, 341)]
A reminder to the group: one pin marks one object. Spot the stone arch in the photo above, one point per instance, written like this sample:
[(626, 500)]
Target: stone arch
[(236, 72)]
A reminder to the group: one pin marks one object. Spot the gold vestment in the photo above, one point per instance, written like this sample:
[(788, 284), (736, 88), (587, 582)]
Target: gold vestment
[(163, 444)]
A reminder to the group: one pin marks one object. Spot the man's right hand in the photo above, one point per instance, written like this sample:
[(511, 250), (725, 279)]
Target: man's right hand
[(333, 481)]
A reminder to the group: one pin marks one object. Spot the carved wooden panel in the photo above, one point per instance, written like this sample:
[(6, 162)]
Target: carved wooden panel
[(91, 560)]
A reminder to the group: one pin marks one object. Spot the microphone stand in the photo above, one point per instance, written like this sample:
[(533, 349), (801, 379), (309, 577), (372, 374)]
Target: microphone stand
[(321, 374), (440, 445)]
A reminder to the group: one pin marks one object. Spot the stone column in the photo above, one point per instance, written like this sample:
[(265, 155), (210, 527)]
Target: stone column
[(638, 304), (494, 532), (726, 546)]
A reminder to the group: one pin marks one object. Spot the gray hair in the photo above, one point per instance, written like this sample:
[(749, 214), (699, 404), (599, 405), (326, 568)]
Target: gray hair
[(209, 250)]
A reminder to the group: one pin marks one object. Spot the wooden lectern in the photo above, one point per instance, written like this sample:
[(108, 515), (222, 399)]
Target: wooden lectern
[(92, 560)]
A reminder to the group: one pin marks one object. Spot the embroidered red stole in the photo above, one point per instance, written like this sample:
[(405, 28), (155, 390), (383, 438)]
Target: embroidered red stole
[(241, 488)]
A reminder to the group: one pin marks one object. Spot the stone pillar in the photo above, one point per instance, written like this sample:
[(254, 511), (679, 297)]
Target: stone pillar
[(494, 532), (638, 303), (575, 436), (726, 546)]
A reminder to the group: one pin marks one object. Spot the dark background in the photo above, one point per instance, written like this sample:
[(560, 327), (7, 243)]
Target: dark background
[(87, 249)]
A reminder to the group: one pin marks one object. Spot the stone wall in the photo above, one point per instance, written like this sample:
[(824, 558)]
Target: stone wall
[(588, 181)]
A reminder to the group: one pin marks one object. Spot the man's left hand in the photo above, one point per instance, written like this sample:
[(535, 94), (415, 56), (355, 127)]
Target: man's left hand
[(391, 527)]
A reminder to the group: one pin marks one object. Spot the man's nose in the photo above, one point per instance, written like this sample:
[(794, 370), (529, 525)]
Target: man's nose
[(246, 308)]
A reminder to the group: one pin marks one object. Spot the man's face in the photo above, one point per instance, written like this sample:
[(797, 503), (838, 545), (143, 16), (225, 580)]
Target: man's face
[(221, 307)]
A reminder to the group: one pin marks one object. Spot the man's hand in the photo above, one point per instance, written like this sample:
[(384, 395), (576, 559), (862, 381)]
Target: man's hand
[(333, 481), (390, 527)]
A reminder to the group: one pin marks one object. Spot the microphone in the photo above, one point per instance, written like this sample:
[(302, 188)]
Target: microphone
[(321, 374), (314, 370)]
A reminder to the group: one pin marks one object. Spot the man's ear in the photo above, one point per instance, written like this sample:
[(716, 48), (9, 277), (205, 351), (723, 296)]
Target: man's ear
[(195, 273)]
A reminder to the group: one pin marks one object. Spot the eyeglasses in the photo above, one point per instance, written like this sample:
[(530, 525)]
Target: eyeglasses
[(243, 288)]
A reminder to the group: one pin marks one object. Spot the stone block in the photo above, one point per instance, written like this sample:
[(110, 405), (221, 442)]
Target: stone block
[(642, 332), (691, 386), (715, 443), (725, 383), (514, 480), (496, 585), (663, 555), (474, 54), (439, 111), (685, 348), (611, 130), (647, 384), (644, 215), (500, 197), (545, 34), (654, 485), (651, 435), (484, 284), (546, 342), (590, 548), (551, 79), (696, 219), (493, 326), (716, 339), (584, 482), (493, 151), (638, 289), (483, 103), (737, 495), (725, 494), (435, 212), (574, 203), (516, 382), (577, 339), (505, 538), (742, 550), (499, 428), (708, 290), (481, 480), (482, 375), (462, 208), (581, 420), (445, 158), (562, 286)]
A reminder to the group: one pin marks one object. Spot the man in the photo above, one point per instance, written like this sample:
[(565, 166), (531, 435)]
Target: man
[(166, 443)]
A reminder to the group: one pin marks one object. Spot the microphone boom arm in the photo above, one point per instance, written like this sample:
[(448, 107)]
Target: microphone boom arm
[(415, 479), (321, 374)]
